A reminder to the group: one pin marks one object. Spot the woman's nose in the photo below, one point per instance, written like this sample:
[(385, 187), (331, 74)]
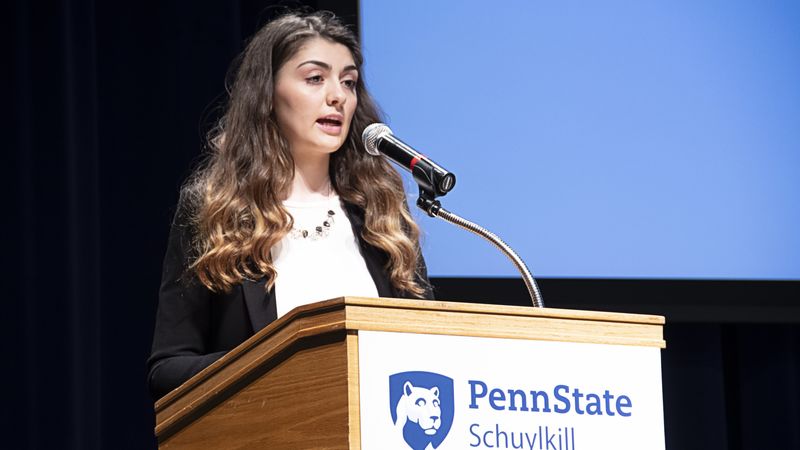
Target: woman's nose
[(336, 94)]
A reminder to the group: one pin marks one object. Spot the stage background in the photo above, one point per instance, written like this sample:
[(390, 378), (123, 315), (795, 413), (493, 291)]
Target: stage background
[(107, 105)]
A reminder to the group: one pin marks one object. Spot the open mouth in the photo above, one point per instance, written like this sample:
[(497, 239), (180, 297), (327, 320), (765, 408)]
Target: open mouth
[(330, 124), (326, 120)]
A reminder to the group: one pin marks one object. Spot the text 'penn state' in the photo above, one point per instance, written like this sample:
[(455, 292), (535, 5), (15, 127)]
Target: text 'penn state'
[(561, 399)]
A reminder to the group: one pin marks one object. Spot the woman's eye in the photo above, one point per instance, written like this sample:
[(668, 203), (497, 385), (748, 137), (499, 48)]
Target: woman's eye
[(316, 79), (351, 84)]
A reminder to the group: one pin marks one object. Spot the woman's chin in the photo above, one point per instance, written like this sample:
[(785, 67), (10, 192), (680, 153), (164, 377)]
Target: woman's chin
[(320, 145), (329, 145)]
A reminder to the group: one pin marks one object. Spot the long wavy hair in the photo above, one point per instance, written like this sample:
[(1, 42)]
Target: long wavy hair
[(236, 194)]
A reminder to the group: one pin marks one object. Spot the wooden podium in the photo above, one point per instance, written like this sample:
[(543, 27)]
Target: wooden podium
[(295, 384)]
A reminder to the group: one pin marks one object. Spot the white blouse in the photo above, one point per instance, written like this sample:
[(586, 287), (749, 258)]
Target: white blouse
[(320, 266)]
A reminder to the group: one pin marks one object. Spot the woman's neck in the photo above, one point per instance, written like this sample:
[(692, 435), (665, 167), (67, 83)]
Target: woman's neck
[(311, 180)]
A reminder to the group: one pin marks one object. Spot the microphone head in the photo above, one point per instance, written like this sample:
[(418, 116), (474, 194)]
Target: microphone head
[(372, 134)]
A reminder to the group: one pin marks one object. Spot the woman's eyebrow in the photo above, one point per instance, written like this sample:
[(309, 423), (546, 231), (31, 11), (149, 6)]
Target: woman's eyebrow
[(327, 66)]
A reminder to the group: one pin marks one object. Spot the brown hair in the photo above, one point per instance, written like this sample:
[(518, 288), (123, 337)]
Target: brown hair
[(236, 195)]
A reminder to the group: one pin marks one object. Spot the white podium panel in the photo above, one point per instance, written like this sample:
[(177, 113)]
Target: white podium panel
[(421, 391)]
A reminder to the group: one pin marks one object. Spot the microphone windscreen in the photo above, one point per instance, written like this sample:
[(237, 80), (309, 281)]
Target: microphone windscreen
[(372, 134)]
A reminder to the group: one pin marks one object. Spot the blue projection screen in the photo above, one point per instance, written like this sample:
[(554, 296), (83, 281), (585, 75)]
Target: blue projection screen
[(614, 139)]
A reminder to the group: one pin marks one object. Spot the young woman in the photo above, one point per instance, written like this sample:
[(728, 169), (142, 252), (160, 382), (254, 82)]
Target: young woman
[(288, 209)]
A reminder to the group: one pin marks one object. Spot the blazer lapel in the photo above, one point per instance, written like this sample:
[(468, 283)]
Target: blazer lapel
[(374, 258), (260, 303)]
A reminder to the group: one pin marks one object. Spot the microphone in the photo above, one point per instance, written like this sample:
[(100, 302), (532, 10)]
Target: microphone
[(431, 177)]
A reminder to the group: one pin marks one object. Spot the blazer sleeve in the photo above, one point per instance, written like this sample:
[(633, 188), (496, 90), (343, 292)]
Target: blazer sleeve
[(183, 320)]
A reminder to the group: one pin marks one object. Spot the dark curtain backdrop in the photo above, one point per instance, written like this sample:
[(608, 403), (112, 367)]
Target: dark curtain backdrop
[(108, 105), (110, 101)]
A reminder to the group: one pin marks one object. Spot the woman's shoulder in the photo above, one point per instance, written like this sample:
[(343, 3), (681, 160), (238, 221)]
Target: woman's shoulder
[(183, 233), (189, 202)]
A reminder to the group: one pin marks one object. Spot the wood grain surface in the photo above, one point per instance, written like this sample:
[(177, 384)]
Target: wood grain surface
[(300, 403)]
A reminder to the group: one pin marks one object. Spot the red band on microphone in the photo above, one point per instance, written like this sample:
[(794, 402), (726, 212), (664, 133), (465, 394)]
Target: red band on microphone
[(413, 163)]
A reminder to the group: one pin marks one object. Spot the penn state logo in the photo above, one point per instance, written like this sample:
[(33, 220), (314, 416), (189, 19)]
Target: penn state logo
[(421, 405)]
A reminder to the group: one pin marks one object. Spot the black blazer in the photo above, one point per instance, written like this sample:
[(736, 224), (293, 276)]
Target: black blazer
[(195, 326)]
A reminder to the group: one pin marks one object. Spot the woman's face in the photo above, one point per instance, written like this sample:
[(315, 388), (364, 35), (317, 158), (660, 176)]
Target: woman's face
[(315, 98)]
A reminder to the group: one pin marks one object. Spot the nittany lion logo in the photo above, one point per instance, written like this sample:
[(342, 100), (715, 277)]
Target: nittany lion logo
[(422, 408)]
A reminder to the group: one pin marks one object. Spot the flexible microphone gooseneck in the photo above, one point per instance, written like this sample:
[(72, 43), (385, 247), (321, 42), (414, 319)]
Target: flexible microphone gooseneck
[(433, 182)]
